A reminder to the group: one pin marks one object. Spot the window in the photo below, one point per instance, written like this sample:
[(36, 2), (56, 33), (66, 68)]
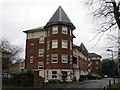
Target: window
[(48, 32), (64, 58), (41, 52), (48, 44), (48, 59), (32, 34), (40, 65), (70, 59), (41, 39), (54, 74), (55, 30), (91, 63), (54, 58), (64, 30), (96, 68), (31, 59), (54, 43), (97, 62), (70, 45), (64, 44)]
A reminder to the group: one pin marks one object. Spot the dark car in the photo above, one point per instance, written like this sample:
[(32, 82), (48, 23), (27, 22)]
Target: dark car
[(83, 76), (92, 76)]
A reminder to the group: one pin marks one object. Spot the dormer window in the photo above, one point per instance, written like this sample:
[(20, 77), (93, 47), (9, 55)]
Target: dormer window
[(64, 30), (55, 30)]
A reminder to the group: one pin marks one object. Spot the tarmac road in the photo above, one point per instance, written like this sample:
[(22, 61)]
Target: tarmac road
[(85, 84)]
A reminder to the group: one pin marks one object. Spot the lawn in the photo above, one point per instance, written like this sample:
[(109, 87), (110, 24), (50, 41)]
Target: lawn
[(115, 85)]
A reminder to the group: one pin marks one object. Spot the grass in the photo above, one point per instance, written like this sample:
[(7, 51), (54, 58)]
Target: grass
[(117, 85)]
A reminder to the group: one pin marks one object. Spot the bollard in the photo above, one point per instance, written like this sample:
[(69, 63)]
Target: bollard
[(114, 80), (109, 83)]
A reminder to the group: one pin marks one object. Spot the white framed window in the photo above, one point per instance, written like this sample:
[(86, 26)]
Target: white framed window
[(70, 59), (54, 74), (40, 65), (96, 68), (48, 32), (64, 58), (48, 44), (41, 39), (70, 45), (48, 59), (54, 58), (54, 43), (41, 52), (96, 62), (31, 59), (91, 63), (32, 34), (64, 30), (64, 44), (54, 29)]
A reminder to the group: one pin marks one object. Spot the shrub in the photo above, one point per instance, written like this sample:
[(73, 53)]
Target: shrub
[(23, 78), (54, 81)]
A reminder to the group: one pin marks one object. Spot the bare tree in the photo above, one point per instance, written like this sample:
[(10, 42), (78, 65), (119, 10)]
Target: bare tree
[(11, 51), (107, 13)]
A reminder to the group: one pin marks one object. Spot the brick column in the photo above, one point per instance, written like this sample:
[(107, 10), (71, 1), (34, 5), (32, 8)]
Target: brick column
[(36, 78)]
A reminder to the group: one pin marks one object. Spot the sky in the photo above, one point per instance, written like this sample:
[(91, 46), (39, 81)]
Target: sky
[(17, 16)]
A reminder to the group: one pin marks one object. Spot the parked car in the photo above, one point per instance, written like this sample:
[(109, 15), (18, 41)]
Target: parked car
[(83, 76), (92, 76)]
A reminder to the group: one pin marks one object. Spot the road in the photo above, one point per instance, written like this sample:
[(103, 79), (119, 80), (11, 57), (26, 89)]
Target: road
[(85, 84)]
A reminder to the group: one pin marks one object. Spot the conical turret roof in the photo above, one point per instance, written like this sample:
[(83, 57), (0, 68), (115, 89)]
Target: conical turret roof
[(60, 17)]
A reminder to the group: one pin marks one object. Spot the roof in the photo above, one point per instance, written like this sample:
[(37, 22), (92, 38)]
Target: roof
[(94, 55), (35, 29), (60, 17), (81, 48)]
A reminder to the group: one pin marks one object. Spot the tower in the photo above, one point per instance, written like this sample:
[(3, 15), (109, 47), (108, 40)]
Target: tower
[(49, 48)]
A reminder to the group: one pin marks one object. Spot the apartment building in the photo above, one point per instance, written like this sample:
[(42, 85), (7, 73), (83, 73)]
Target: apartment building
[(49, 49)]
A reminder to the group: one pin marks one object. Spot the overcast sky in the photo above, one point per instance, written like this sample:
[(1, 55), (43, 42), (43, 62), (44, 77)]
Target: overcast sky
[(20, 15)]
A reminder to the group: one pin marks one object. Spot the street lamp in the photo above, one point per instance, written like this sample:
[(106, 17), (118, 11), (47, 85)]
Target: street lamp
[(112, 64)]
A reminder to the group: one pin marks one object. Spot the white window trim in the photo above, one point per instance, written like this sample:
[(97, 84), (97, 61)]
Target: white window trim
[(64, 45), (41, 64), (48, 59), (70, 45), (54, 28), (71, 58), (52, 58), (54, 74), (64, 58), (64, 30), (41, 50), (48, 45), (54, 45), (31, 59), (42, 38)]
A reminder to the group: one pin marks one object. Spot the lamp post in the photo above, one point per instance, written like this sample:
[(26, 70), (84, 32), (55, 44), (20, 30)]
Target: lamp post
[(112, 68)]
